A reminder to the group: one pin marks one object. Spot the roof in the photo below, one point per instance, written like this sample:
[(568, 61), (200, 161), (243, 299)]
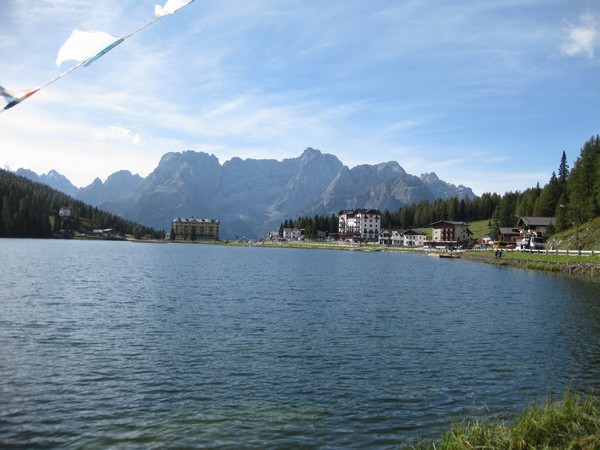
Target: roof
[(359, 211), (196, 220), (413, 233), (509, 230), (448, 222), (529, 221)]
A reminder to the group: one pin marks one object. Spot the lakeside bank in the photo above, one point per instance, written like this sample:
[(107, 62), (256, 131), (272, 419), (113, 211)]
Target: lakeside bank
[(588, 266), (572, 422)]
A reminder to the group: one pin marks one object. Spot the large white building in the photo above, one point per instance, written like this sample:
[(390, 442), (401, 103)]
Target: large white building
[(363, 224)]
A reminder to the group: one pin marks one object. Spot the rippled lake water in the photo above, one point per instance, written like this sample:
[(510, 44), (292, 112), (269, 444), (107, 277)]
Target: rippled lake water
[(113, 344)]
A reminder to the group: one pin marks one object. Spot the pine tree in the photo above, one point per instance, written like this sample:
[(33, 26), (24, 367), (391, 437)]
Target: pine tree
[(561, 214), (582, 184), (549, 197), (563, 170)]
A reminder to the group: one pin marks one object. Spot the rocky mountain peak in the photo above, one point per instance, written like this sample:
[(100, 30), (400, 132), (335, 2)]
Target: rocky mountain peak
[(251, 197), (430, 177)]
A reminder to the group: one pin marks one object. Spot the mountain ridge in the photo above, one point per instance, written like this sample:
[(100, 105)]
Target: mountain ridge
[(253, 196)]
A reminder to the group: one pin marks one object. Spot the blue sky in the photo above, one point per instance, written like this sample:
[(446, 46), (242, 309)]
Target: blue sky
[(484, 93)]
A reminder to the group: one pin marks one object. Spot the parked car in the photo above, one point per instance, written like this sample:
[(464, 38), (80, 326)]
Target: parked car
[(511, 246)]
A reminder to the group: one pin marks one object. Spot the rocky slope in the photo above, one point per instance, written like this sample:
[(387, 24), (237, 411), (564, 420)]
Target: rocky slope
[(251, 197)]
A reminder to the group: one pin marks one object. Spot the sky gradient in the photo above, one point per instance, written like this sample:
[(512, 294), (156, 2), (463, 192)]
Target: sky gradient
[(486, 93)]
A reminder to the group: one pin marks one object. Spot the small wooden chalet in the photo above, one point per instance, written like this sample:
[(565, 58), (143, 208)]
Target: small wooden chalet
[(534, 226), (509, 235)]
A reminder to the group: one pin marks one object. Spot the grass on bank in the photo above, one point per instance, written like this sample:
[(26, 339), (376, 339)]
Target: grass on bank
[(572, 423), (587, 234), (544, 257)]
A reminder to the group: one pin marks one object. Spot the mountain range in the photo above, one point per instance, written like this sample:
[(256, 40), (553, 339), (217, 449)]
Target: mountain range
[(251, 197)]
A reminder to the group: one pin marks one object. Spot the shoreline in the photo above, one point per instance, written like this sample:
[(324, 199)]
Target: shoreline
[(582, 266), (572, 265)]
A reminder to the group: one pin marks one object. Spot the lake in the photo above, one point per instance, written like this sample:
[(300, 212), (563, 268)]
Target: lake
[(116, 344)]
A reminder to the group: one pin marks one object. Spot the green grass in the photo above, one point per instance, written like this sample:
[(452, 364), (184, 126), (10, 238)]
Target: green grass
[(587, 234), (540, 266), (572, 423), (479, 229), (545, 257)]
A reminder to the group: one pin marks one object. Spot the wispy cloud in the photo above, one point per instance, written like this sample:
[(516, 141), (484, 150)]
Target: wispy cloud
[(583, 38), (423, 82), (117, 134)]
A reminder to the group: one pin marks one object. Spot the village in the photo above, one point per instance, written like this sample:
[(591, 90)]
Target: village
[(363, 225)]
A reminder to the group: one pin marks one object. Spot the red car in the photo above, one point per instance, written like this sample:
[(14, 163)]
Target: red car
[(511, 246)]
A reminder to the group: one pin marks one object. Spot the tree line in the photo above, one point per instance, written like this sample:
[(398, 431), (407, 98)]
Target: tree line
[(30, 209), (572, 196), (312, 225)]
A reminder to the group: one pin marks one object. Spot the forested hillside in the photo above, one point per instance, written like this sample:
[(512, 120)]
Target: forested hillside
[(29, 209), (571, 196)]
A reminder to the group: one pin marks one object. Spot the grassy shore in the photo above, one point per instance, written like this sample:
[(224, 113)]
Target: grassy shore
[(543, 257), (571, 423), (585, 264)]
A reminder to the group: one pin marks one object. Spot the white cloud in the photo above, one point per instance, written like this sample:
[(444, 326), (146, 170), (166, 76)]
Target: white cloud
[(583, 38), (117, 134)]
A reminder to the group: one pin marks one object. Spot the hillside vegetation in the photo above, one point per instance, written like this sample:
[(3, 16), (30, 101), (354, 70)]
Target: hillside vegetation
[(572, 197), (29, 209), (587, 234)]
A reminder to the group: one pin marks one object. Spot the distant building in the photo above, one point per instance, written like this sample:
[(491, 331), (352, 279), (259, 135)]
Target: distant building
[(64, 212), (385, 237), (534, 226), (408, 238), (196, 229), (509, 235), (363, 224), (449, 232), (291, 234), (414, 238)]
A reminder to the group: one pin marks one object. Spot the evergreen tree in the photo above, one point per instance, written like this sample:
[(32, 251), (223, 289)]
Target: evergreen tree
[(549, 197), (582, 184), (29, 209), (561, 214), (333, 224), (563, 170)]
